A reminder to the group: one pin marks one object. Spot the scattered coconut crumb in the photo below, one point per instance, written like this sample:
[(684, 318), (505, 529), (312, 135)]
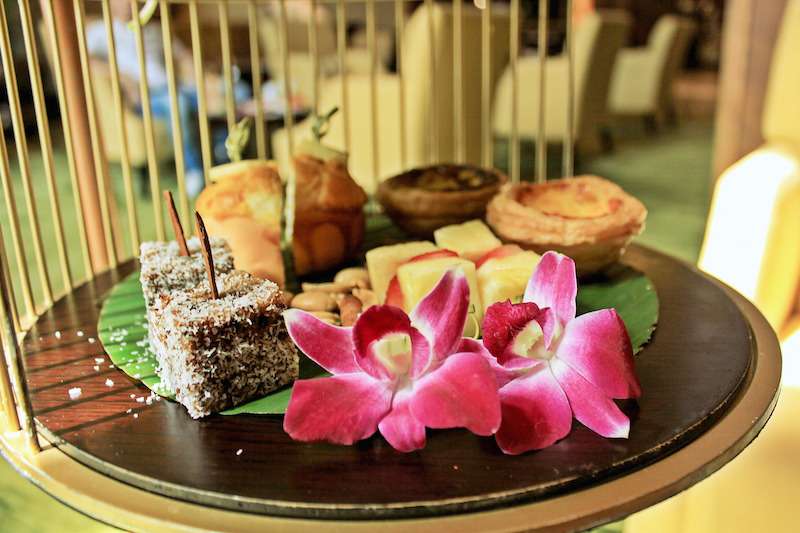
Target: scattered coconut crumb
[(239, 451), (128, 411), (74, 393), (96, 368), (91, 340), (455, 467), (99, 360), (135, 415), (111, 366), (140, 399), (109, 383), (133, 396), (79, 333)]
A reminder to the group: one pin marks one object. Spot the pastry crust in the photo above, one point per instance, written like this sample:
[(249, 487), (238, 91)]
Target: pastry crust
[(244, 205), (588, 218), (425, 199)]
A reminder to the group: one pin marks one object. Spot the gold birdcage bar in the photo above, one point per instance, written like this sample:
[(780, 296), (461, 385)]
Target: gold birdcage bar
[(21, 143), (177, 128), (227, 68), (96, 142), (103, 222), (116, 89), (66, 126)]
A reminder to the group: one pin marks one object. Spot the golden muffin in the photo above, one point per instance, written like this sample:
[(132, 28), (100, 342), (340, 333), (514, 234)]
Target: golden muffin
[(329, 214), (587, 218)]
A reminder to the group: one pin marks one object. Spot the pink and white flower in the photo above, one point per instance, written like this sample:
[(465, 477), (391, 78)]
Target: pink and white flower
[(395, 373), (553, 365)]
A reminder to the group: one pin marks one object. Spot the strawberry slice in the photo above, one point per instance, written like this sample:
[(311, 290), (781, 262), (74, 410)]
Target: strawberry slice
[(498, 253), (394, 294)]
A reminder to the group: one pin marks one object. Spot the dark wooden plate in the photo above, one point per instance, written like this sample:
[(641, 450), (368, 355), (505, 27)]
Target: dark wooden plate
[(691, 372)]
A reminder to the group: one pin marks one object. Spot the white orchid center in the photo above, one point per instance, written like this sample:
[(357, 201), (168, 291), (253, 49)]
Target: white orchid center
[(529, 342), (394, 353)]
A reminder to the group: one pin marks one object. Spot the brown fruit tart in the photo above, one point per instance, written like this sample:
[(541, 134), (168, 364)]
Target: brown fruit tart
[(425, 199), (587, 218)]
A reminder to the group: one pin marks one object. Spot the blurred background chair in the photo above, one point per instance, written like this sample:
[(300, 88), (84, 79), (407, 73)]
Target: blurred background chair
[(598, 38), (428, 114), (641, 84), (752, 243)]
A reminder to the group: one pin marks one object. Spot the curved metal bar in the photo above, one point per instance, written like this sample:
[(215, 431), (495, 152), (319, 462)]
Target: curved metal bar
[(541, 139), (98, 153), (66, 125), (514, 152), (568, 162), (177, 128), (21, 143), (255, 67), (122, 131)]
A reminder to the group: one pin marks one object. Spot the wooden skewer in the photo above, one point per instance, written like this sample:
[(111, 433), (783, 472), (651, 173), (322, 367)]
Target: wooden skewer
[(176, 223), (205, 248)]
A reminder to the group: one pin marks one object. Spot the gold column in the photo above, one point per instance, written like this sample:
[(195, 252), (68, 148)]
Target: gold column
[(373, 91), (227, 69), (433, 156), (458, 80), (486, 85), (288, 112), (200, 80)]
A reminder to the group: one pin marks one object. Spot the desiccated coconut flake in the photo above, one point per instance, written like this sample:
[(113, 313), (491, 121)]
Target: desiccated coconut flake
[(109, 383), (74, 393), (239, 451)]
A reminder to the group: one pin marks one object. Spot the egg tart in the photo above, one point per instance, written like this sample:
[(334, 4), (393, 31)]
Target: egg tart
[(587, 218), (425, 199)]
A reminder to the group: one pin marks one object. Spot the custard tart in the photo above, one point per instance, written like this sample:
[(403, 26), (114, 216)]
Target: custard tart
[(425, 199), (587, 218)]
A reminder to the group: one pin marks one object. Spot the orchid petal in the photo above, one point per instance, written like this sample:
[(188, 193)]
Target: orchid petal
[(460, 393), (502, 374), (554, 285), (596, 346), (400, 428), (377, 323), (536, 412), (331, 347), (590, 406), (442, 313), (340, 409), (501, 325)]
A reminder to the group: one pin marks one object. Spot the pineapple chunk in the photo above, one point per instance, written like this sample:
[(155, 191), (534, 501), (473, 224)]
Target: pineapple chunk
[(382, 263), (471, 239), (505, 278), (418, 278)]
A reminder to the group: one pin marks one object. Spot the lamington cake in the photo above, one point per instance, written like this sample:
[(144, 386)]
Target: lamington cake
[(164, 269), (215, 354)]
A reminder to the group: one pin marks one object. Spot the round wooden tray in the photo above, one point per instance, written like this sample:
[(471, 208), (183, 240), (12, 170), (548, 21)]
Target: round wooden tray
[(699, 363)]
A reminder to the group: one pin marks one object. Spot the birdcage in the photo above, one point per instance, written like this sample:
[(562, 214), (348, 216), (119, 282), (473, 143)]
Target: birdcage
[(449, 77)]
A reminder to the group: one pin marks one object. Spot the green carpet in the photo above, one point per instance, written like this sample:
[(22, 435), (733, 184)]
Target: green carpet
[(669, 172)]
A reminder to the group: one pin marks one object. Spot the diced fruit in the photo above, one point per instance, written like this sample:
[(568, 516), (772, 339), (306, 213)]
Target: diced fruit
[(418, 278), (471, 239), (497, 253), (394, 294), (382, 263), (505, 277)]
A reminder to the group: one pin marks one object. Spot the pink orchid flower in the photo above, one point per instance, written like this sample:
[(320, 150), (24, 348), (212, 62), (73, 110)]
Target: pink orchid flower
[(393, 372), (556, 365)]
